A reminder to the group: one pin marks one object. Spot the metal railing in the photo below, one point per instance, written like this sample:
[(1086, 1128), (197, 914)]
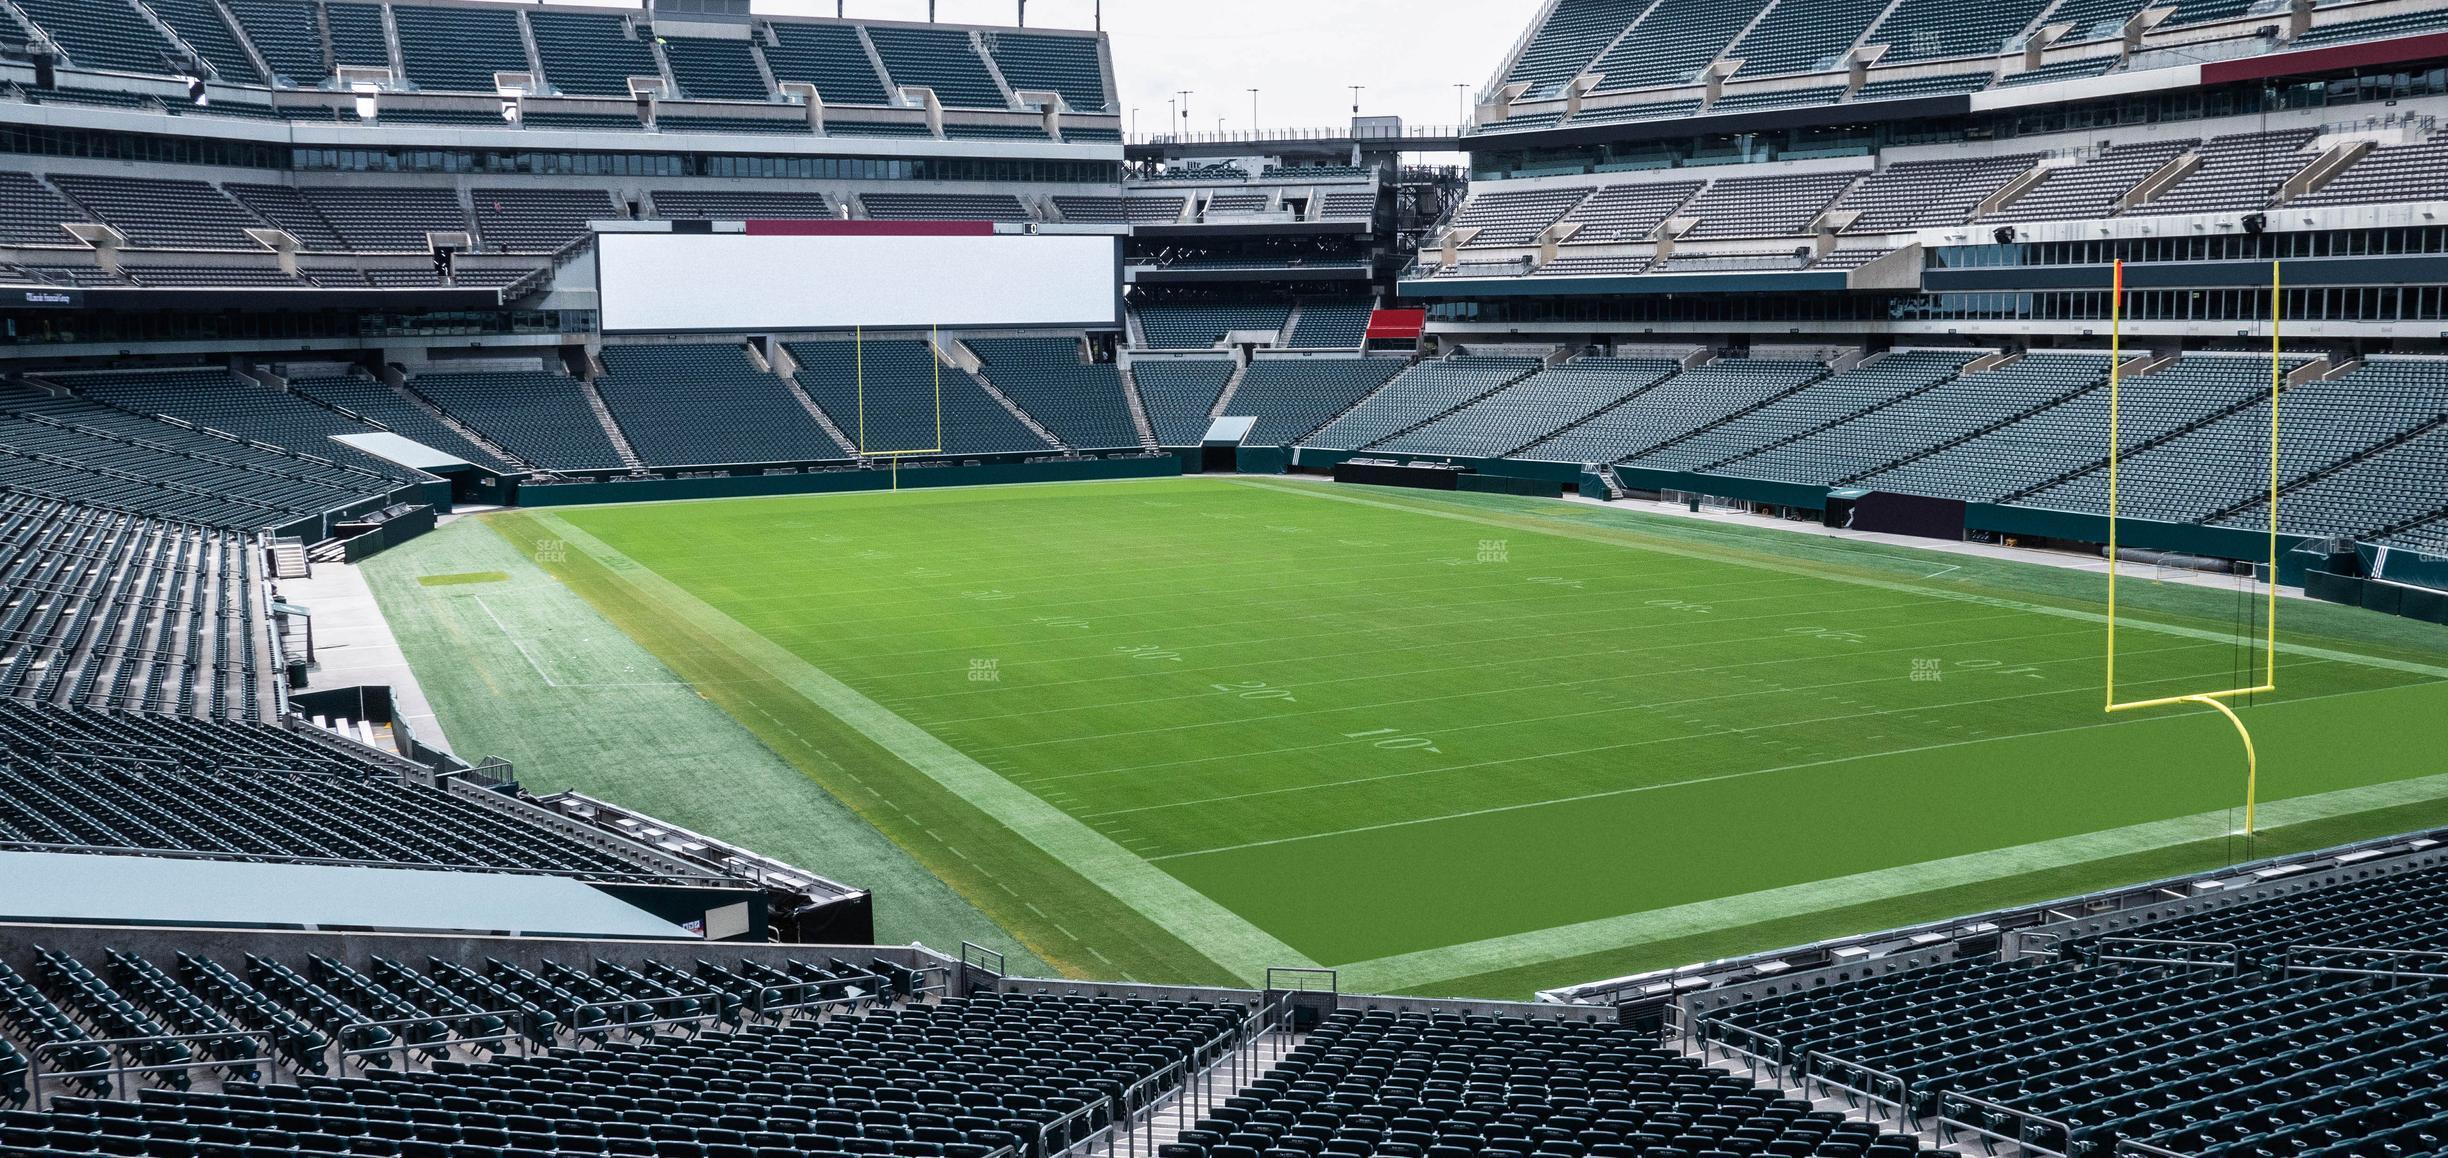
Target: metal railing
[(1952, 1118), (516, 1028), (2230, 955), (1194, 1093), (2434, 962), (116, 1074), (1757, 1049), (1862, 1084), (1310, 980), (1328, 133), (2146, 1150)]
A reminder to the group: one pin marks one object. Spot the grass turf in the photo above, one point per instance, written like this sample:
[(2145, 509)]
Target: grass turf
[(1477, 744)]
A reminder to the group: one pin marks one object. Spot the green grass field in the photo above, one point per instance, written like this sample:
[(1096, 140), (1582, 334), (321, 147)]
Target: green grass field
[(1185, 730)]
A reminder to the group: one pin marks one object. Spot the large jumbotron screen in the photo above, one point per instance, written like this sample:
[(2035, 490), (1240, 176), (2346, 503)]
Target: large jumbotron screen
[(940, 274)]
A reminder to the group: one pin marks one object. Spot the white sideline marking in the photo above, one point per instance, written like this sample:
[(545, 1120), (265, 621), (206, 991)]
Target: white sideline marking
[(546, 676)]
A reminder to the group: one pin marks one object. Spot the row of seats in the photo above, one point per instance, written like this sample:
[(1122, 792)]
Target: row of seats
[(81, 450), (240, 789), (2236, 172), (1672, 408), (2223, 467), (577, 53), (1533, 409), (1443, 1085), (203, 1017), (1615, 46), (2189, 1034), (107, 609)]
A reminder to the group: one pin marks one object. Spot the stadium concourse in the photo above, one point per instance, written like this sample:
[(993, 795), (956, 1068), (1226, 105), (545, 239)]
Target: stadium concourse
[(391, 764)]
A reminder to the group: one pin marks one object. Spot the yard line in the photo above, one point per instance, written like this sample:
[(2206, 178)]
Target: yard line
[(2104, 722), (1545, 686), (1709, 727)]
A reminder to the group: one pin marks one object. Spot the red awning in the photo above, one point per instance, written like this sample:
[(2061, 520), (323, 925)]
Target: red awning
[(1397, 325)]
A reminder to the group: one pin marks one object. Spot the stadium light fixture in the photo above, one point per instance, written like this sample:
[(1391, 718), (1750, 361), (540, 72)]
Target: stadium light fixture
[(1253, 110)]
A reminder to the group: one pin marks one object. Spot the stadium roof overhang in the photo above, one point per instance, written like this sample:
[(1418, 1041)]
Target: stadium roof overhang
[(1253, 229)]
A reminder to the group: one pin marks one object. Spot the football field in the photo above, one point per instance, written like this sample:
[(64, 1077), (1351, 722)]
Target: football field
[(1184, 730)]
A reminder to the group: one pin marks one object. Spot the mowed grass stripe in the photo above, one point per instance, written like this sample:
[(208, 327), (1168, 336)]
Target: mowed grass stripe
[(1214, 932), (1494, 692)]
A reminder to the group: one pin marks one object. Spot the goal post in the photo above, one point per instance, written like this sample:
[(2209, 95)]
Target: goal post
[(2214, 699), (859, 377)]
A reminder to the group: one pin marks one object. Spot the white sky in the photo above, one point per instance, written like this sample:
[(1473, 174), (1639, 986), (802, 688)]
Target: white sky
[(1299, 54)]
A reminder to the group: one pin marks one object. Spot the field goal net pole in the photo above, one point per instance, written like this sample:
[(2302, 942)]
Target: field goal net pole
[(2216, 700), (859, 361)]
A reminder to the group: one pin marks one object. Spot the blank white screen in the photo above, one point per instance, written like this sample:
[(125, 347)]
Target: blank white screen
[(733, 281)]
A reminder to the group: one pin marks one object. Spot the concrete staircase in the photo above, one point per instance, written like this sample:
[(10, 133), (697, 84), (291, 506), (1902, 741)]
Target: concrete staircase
[(1026, 419), (612, 429), (1138, 408)]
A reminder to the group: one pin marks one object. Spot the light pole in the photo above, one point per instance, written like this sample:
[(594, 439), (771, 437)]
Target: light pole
[(1253, 112), (1461, 105), (1134, 120), (1185, 112), (1356, 90)]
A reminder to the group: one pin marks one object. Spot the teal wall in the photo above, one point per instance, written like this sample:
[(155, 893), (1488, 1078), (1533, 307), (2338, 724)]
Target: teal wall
[(739, 486)]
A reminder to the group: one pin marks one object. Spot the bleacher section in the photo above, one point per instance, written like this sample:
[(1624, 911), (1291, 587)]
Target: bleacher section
[(538, 220), (1829, 401), (85, 452), (938, 59), (2403, 483), (2092, 188), (829, 56), (1450, 1083), (884, 394), (1926, 194), (741, 205), (458, 49), (1080, 401), (1200, 327), (944, 207), (199, 23), (1179, 394), (1292, 396), (714, 70), (541, 417), (1423, 392), (255, 791), (226, 402), (1063, 64), (1917, 423), (1772, 206), (1675, 407), (2192, 1034), (2416, 170), (161, 212), (1628, 212), (1533, 409), (2223, 466), (1330, 324), (103, 35), (765, 1052), (589, 54), (2070, 437), (379, 403), (109, 610), (708, 405), (2240, 172)]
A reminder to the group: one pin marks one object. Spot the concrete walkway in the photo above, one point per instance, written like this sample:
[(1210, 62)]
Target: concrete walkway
[(354, 645)]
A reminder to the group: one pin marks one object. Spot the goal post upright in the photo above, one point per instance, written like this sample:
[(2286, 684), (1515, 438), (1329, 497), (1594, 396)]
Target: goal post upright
[(859, 379), (2216, 700)]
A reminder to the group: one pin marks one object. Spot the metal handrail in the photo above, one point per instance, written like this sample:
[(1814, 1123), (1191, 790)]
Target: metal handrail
[(1948, 1123), (1707, 1031), (2292, 965), (2233, 952), (118, 1072), (1816, 1065), (2129, 1146), (1329, 133), (515, 1027), (709, 1004)]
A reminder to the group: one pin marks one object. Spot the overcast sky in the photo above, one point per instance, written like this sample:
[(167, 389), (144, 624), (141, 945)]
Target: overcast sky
[(1299, 54)]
